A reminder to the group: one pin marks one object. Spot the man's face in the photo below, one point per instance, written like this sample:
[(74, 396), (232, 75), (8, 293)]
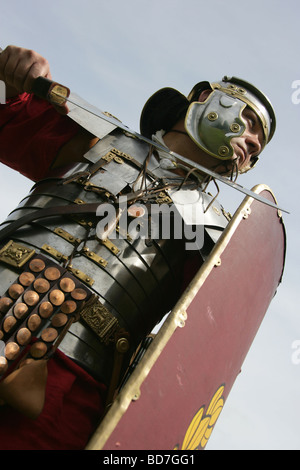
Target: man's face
[(247, 146)]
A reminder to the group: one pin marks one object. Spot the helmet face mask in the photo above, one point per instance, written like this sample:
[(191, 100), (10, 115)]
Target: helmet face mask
[(213, 123)]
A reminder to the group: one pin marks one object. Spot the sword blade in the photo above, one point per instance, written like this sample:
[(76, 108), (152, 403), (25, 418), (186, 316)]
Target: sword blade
[(101, 115), (48, 93)]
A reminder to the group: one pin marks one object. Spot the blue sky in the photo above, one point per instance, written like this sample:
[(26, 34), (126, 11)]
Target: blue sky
[(115, 54)]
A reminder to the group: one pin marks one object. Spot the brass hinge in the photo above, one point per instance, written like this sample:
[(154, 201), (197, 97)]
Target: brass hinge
[(54, 253), (94, 257), (67, 236), (81, 275), (110, 246)]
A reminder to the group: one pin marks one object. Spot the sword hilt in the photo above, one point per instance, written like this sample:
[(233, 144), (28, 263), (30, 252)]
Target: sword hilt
[(50, 91)]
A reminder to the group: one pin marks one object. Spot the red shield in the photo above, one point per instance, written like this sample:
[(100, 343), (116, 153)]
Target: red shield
[(175, 395)]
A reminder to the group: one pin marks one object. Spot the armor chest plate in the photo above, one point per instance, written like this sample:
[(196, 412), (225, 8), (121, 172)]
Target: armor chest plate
[(136, 279)]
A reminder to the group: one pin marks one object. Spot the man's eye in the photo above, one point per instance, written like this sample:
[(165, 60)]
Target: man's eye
[(251, 122)]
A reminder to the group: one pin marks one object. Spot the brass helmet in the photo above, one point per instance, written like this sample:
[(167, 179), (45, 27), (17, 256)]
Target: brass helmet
[(213, 123)]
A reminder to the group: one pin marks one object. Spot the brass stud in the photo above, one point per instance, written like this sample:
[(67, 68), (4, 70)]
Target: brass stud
[(52, 274), (136, 211), (235, 127), (34, 322), (26, 279), (223, 151), (122, 345), (78, 294), (56, 297), (58, 320), (23, 336), (20, 310), (31, 298), (15, 291), (66, 284), (11, 350), (45, 309), (212, 116), (37, 265), (9, 323), (49, 335), (5, 304), (3, 365), (41, 285), (38, 350), (69, 306)]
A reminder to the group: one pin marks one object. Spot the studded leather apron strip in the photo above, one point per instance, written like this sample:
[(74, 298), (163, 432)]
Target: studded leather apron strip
[(36, 309)]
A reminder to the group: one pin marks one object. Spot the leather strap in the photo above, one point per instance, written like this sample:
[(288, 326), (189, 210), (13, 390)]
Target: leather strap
[(71, 209)]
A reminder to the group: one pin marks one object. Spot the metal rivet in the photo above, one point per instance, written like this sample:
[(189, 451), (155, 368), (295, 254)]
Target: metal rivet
[(23, 336), (223, 151), (56, 297), (37, 265), (9, 323), (45, 309), (69, 306), (122, 345), (20, 310), (235, 127), (212, 116), (3, 365), (11, 350), (52, 274), (5, 304), (34, 322), (15, 291), (79, 294), (31, 298), (26, 279), (38, 350), (49, 335), (41, 285), (67, 284)]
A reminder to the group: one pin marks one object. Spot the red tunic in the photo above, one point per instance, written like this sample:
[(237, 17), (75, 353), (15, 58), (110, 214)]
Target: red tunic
[(31, 134)]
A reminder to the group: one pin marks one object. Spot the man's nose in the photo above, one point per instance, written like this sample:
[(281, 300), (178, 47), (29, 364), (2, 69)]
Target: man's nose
[(253, 142)]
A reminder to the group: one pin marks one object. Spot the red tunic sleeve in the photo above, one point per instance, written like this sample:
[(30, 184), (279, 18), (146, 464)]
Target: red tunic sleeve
[(31, 134)]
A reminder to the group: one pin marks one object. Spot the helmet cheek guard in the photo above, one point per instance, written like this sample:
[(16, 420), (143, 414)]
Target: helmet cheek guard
[(213, 123)]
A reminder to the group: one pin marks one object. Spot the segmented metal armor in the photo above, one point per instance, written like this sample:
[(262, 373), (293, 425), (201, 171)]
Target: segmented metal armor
[(95, 297)]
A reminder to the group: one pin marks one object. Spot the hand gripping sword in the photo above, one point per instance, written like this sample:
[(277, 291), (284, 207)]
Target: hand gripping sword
[(59, 94)]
